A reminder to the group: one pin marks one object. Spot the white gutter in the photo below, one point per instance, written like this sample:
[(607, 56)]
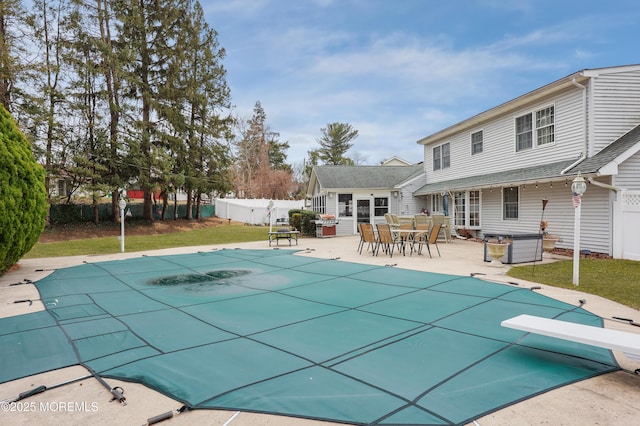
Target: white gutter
[(603, 185), (584, 126)]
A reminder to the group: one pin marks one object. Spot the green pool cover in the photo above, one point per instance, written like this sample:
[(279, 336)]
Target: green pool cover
[(270, 332)]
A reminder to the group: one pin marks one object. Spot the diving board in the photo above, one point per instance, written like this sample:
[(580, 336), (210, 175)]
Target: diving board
[(628, 343)]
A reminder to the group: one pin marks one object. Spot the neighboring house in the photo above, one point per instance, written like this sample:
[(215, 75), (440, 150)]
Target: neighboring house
[(396, 161), (365, 193), (496, 167)]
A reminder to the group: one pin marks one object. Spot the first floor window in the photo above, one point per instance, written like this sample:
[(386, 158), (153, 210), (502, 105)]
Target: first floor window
[(345, 204), (474, 209), (467, 209), (460, 198), (381, 206), (318, 204), (436, 203), (510, 203)]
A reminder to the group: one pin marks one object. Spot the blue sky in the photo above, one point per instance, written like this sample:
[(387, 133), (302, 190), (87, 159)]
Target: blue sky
[(399, 70)]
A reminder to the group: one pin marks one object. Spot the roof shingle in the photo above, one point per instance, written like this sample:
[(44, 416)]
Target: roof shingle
[(365, 177)]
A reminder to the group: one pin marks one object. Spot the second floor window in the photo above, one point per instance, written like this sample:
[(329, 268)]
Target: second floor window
[(441, 157), (476, 142), (543, 126), (524, 128)]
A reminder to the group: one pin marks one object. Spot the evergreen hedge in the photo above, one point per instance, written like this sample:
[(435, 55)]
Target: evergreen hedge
[(23, 198), (302, 220)]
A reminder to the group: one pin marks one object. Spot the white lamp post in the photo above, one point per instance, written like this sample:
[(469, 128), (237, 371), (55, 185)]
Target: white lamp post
[(578, 187), (270, 210), (122, 204)]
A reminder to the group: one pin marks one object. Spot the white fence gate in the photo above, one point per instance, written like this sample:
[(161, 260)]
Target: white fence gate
[(631, 225)]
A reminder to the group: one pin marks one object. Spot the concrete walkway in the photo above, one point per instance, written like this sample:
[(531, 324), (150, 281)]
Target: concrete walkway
[(611, 399)]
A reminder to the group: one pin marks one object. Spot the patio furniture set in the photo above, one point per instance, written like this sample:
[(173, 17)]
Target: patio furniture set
[(404, 237)]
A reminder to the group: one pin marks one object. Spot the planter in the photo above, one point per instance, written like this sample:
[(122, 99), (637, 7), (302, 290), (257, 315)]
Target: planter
[(496, 251), (548, 244)]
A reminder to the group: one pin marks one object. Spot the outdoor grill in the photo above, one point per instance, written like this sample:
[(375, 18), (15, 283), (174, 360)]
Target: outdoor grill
[(325, 225)]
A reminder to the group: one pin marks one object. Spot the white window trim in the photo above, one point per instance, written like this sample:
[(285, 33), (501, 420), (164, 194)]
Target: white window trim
[(433, 159), (504, 218), (538, 128), (471, 141), (468, 218), (534, 129), (467, 213)]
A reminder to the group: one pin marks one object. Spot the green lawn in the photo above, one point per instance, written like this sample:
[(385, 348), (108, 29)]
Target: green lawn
[(617, 280), (214, 235)]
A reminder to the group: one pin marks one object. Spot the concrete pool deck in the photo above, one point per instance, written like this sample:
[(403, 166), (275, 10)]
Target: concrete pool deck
[(606, 400)]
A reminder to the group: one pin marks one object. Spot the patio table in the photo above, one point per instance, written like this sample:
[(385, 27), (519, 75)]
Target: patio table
[(283, 235)]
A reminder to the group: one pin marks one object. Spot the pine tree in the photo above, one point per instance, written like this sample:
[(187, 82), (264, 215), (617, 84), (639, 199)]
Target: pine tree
[(335, 142)]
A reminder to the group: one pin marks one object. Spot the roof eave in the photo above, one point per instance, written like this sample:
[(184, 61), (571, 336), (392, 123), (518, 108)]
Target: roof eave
[(506, 107)]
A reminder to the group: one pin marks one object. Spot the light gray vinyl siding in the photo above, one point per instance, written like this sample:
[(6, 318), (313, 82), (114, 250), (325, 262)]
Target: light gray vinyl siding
[(345, 226), (332, 203), (499, 150), (596, 226), (408, 203), (629, 173), (616, 106)]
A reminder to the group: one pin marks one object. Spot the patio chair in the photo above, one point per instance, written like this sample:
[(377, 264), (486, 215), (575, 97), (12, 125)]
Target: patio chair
[(395, 222), (361, 242), (367, 235), (443, 221), (421, 219), (406, 239), (420, 236), (428, 239), (385, 239)]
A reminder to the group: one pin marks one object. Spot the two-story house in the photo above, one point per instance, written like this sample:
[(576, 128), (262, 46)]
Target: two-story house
[(496, 167)]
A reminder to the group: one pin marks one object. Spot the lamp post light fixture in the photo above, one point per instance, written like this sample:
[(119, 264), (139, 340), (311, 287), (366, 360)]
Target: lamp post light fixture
[(578, 187), (122, 204)]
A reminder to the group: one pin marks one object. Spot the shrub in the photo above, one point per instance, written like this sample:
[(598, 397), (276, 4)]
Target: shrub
[(302, 220), (23, 198)]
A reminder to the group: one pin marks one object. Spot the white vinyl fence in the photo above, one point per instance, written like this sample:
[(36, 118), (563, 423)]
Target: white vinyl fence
[(631, 225), (255, 211)]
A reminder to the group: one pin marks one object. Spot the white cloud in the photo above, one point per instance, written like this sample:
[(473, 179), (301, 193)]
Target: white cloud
[(396, 85)]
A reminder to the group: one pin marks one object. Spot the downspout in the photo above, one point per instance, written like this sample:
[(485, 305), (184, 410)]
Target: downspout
[(584, 126)]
